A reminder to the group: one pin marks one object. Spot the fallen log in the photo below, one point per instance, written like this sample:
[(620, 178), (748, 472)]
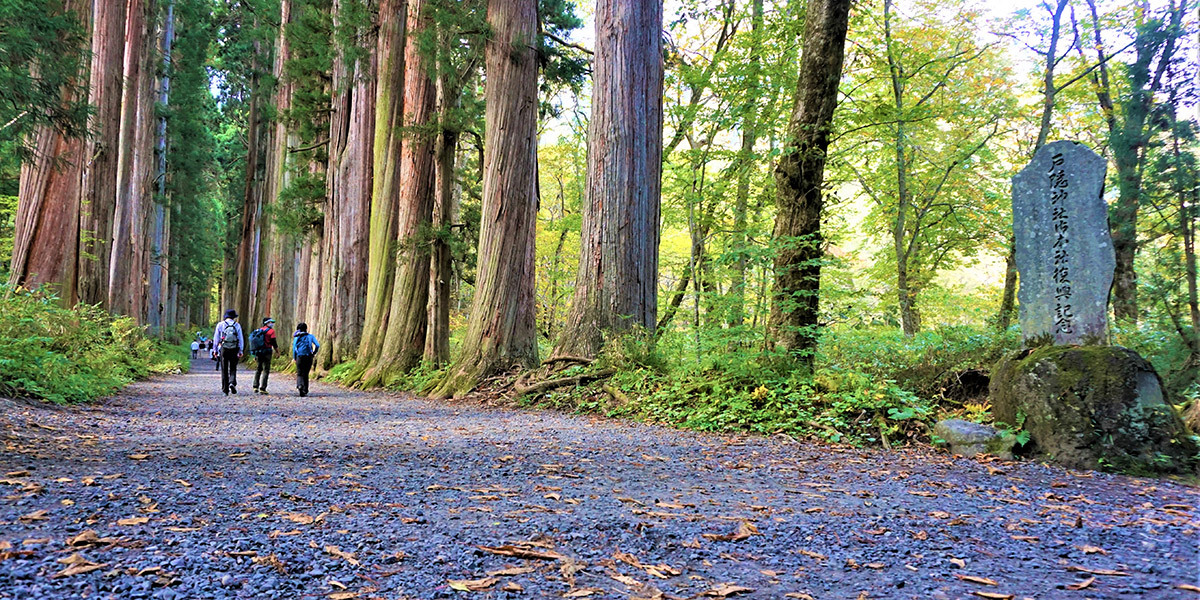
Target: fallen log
[(550, 384)]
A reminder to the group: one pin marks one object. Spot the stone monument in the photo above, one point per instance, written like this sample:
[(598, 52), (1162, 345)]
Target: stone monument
[(1064, 250), (1085, 404)]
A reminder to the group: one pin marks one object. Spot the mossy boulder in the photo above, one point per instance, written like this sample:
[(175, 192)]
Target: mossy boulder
[(1091, 407)]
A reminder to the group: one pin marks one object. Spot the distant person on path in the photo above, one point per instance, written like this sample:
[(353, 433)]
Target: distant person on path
[(304, 348), (195, 349), (229, 343), (263, 346), (216, 359)]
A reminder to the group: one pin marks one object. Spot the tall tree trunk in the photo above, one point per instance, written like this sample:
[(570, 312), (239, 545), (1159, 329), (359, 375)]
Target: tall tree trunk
[(745, 169), (616, 288), (352, 133), (159, 243), (258, 137), (99, 193), (404, 342), (502, 331), (906, 294), (1128, 138), (124, 287), (46, 228), (437, 338), (389, 109), (799, 176)]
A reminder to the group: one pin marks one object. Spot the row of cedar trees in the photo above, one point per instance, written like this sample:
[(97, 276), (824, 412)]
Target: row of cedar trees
[(369, 276), (94, 217)]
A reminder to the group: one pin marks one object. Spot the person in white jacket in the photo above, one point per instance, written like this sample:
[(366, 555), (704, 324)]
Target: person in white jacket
[(229, 344)]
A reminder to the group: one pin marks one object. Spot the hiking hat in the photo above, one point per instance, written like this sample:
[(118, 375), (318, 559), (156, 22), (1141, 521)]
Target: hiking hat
[(231, 314), (268, 320)]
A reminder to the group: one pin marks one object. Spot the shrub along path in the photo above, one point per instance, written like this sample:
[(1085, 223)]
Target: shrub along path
[(171, 490)]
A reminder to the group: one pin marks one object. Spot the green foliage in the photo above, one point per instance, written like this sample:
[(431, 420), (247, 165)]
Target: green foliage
[(8, 215), (42, 54), (73, 355)]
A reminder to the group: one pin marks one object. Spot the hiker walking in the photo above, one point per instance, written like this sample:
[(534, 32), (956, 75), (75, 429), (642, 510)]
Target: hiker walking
[(304, 348), (229, 344), (195, 349), (263, 346)]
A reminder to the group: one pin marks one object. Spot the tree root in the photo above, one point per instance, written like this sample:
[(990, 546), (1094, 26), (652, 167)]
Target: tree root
[(565, 358), (616, 394), (520, 389)]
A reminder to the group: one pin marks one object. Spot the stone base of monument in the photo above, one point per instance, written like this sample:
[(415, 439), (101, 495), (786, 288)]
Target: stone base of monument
[(1092, 407)]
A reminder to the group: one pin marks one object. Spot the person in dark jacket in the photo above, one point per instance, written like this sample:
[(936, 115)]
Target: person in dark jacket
[(263, 356), (304, 348), (230, 343)]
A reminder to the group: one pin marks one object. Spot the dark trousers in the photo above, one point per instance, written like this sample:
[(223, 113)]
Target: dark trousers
[(303, 366), (229, 363), (263, 369)]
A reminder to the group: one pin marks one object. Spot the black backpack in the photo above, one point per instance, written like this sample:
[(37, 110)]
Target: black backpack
[(258, 341)]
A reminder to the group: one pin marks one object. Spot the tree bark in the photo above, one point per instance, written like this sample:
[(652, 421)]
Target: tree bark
[(799, 177), (389, 108), (352, 133), (501, 332), (46, 228), (1129, 138), (404, 342), (616, 288), (437, 338), (258, 136), (99, 193), (159, 270)]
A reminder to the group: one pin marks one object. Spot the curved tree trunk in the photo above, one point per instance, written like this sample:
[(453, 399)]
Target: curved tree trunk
[(502, 333), (404, 342), (799, 177), (616, 288)]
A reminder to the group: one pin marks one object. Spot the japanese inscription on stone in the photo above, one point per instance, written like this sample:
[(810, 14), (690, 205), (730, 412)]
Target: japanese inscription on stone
[(1064, 250)]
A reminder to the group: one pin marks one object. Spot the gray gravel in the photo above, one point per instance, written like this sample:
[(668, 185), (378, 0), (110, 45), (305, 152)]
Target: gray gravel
[(347, 494)]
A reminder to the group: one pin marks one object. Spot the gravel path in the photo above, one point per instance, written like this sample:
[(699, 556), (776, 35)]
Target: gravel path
[(172, 490)]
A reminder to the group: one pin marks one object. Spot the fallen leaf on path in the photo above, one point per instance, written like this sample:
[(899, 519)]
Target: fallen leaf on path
[(1092, 550), (133, 521), (516, 551), (139, 456), (1097, 571), (21, 473), (183, 483), (472, 585), (811, 554), (1082, 584), (727, 589), (994, 596), (745, 530), (798, 596), (958, 562), (875, 566), (625, 579), (1189, 587), (923, 494), (37, 515), (77, 565), (88, 538), (512, 586), (182, 529), (1027, 538), (343, 595), (347, 556), (583, 593), (973, 579), (512, 571)]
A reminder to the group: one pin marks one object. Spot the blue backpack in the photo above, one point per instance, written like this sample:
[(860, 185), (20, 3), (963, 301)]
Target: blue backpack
[(304, 345)]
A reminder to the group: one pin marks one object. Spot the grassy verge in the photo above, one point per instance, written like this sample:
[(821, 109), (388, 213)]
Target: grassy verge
[(74, 355)]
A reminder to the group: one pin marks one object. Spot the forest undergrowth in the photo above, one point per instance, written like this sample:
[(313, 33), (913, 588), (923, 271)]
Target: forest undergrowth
[(74, 355)]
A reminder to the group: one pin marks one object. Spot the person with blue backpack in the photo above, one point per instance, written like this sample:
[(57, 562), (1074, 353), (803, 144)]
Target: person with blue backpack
[(304, 348)]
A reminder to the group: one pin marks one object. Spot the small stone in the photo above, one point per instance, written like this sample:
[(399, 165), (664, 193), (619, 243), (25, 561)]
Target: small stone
[(969, 439)]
